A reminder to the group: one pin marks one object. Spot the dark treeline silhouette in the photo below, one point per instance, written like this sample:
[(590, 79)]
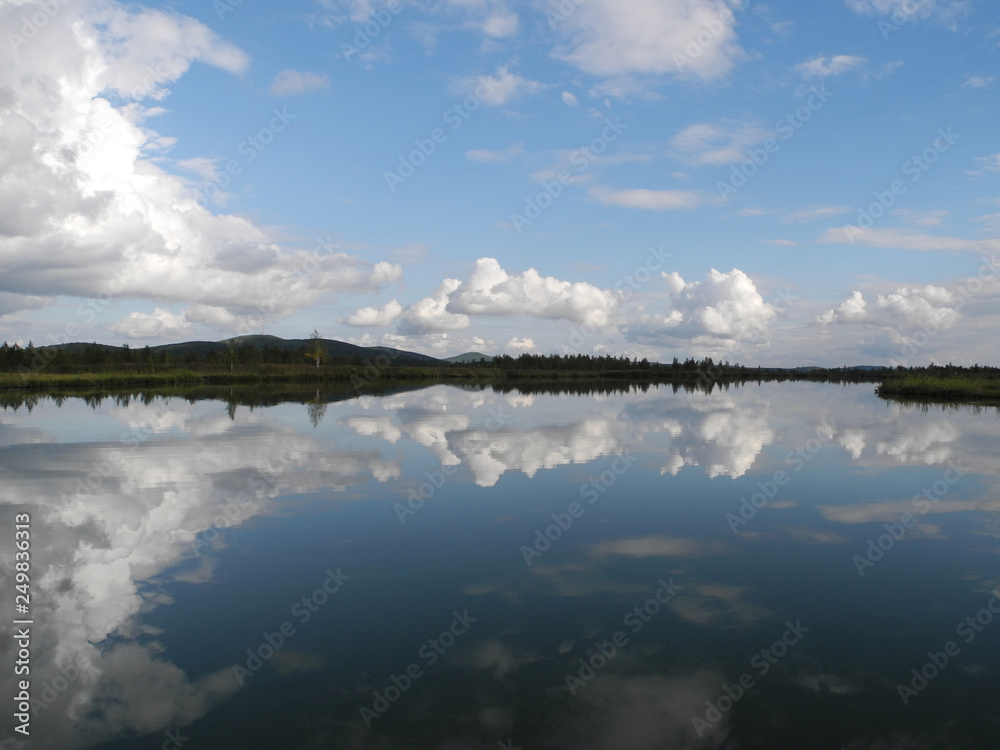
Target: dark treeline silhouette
[(259, 360), (96, 357)]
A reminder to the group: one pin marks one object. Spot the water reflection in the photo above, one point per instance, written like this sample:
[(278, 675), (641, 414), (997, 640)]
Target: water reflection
[(170, 533)]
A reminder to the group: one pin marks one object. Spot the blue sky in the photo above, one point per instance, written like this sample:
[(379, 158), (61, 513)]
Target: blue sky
[(779, 183)]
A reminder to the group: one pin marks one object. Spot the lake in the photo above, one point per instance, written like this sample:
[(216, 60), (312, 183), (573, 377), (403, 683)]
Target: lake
[(792, 565)]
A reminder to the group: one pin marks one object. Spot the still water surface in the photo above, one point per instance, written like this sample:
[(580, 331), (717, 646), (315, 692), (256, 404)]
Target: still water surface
[(783, 566)]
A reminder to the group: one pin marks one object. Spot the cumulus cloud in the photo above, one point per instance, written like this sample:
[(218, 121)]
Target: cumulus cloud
[(570, 99), (852, 310), (719, 143), (516, 344), (497, 90), (291, 82), (822, 66), (87, 206), (159, 323), (491, 290), (611, 38), (718, 313), (651, 200), (904, 310), (376, 317), (111, 542), (430, 315)]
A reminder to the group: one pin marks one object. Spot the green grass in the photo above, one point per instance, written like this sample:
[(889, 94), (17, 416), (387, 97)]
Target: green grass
[(949, 388), (48, 381)]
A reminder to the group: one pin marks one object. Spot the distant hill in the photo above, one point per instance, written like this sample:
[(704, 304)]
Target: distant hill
[(332, 347), (460, 359)]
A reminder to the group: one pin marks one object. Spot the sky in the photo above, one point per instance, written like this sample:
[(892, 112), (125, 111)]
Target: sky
[(777, 183)]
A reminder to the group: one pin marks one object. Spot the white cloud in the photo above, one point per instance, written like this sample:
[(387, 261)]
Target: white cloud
[(159, 323), (990, 163), (822, 66), (903, 11), (904, 310), (570, 99), (903, 239), (852, 310), (358, 11), (489, 455), (652, 200), (135, 52), (978, 82), (717, 144), (493, 291), (85, 211), (430, 315), (486, 156), (718, 313), (611, 38), (654, 546), (920, 218), (810, 213), (205, 168), (291, 82), (516, 344), (501, 25), (376, 317), (497, 90)]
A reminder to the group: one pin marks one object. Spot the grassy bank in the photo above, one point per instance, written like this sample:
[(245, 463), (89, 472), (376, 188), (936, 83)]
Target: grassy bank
[(945, 388), (261, 375), (364, 378), (935, 383)]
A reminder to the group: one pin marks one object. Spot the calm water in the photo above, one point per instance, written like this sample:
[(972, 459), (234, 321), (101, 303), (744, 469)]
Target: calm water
[(785, 566)]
